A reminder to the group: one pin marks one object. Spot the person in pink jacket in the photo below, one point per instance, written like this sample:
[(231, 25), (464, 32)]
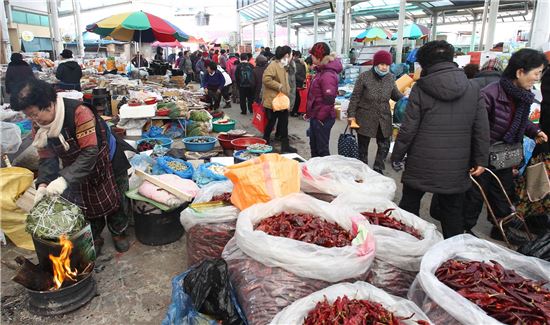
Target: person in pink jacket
[(230, 68), (321, 98)]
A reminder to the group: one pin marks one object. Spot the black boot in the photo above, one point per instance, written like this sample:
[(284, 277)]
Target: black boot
[(286, 148)]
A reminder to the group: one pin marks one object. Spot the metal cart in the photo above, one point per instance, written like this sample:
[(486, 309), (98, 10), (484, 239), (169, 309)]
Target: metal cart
[(514, 214)]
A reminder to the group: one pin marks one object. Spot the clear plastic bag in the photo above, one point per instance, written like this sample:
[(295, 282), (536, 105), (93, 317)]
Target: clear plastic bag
[(264, 291), (297, 312), (398, 253), (10, 136), (209, 230), (390, 278), (337, 175), (305, 259), (190, 217), (141, 162), (444, 305), (396, 247)]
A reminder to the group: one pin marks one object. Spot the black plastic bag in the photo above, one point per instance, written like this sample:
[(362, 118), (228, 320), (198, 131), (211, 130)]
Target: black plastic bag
[(209, 288), (538, 248)]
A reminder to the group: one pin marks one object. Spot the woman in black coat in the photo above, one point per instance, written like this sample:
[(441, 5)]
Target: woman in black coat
[(68, 72), (18, 71)]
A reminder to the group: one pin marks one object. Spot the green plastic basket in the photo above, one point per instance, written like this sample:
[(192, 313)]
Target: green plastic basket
[(223, 127)]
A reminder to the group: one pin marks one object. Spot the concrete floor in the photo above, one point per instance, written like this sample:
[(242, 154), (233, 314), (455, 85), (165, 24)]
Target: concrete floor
[(135, 287)]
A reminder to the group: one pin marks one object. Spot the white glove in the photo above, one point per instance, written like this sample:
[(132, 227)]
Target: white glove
[(57, 187), (40, 193)]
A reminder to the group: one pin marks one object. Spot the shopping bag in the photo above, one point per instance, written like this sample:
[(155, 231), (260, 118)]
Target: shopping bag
[(303, 100), (281, 102), (259, 119), (347, 144), (538, 179), (262, 179)]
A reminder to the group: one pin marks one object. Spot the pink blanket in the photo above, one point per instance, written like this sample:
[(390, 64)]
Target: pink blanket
[(159, 195)]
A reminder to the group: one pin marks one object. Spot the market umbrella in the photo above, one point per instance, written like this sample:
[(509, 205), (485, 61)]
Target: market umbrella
[(372, 34), (168, 44), (138, 26), (413, 31), (195, 40)]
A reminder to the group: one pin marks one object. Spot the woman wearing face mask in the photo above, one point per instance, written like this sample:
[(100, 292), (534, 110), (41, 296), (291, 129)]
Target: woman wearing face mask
[(369, 108), (275, 80), (508, 102)]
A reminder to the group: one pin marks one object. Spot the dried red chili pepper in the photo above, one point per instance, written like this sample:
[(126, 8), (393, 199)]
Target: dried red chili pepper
[(306, 228), (207, 240), (501, 293), (385, 219), (225, 197), (353, 312)]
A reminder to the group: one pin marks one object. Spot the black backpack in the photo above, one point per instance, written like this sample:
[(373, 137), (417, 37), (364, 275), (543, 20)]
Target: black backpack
[(246, 76)]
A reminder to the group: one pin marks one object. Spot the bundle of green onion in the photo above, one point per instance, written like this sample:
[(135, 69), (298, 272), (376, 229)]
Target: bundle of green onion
[(53, 217)]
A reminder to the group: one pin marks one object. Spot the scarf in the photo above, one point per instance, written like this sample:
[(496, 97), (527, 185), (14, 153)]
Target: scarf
[(523, 100), (52, 130)]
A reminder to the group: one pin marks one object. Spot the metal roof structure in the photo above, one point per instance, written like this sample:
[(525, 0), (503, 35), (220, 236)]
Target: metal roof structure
[(382, 13)]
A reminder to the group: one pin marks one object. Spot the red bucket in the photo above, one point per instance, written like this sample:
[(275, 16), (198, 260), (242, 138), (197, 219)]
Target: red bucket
[(243, 143), (225, 141)]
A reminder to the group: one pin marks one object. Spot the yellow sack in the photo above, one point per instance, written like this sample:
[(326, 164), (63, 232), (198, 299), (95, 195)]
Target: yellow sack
[(281, 102), (14, 181), (262, 179)]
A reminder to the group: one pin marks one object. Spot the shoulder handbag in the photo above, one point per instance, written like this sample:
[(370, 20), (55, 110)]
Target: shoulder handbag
[(347, 144), (504, 155), (537, 177)]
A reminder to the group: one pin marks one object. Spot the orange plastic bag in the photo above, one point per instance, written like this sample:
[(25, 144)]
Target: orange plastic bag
[(262, 179), (281, 102)]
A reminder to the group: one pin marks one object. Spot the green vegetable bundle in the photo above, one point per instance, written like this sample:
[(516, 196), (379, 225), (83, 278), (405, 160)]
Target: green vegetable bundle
[(200, 116), (54, 216)]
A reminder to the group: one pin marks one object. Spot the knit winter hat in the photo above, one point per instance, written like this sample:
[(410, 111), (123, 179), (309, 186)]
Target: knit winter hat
[(260, 59), (382, 57)]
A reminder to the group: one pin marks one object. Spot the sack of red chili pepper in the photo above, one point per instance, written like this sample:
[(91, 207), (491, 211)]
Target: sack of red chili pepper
[(401, 240), (264, 291), (311, 254), (337, 175), (473, 281), (209, 224), (352, 303)]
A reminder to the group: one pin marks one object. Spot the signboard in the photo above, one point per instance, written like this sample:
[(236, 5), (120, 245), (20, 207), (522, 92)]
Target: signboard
[(27, 36)]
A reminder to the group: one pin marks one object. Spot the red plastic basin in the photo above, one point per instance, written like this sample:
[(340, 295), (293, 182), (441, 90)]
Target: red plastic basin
[(225, 141), (243, 143)]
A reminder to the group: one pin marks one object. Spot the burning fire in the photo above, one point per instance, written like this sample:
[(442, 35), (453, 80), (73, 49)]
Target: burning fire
[(62, 263)]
